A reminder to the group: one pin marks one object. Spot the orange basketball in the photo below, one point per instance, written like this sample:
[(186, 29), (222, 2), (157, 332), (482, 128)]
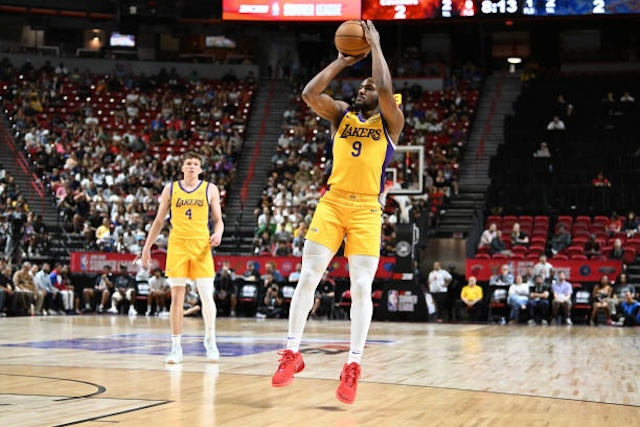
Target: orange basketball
[(350, 40)]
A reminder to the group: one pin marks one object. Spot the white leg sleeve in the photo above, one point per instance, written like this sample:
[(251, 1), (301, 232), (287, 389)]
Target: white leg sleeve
[(362, 269), (209, 311), (315, 259)]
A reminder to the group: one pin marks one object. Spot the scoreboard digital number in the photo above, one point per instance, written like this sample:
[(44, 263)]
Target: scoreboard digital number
[(557, 7), (446, 9)]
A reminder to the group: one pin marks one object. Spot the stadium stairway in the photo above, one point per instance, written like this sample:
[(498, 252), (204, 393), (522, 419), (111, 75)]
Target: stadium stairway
[(263, 130), (499, 93), (17, 163)]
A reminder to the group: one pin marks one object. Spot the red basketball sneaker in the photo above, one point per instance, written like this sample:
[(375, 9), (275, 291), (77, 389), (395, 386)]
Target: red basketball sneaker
[(346, 391), (290, 363)]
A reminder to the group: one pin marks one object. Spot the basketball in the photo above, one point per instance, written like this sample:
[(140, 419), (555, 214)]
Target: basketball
[(350, 40)]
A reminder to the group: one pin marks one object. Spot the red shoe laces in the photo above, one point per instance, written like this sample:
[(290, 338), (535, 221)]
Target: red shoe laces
[(287, 357), (352, 373)]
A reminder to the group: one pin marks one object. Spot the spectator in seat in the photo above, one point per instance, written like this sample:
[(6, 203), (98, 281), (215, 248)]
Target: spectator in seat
[(556, 124), (497, 246), (439, 280), (562, 291), (102, 289), (543, 151), (600, 180), (60, 280), (627, 97), (125, 293), (601, 295), (539, 302), (270, 268), (10, 302), (617, 251), (52, 297), (159, 293), (271, 304), (517, 299), (592, 247), (295, 275), (192, 305), (470, 303), (629, 309), (561, 240), (324, 296), (630, 225), (282, 249), (519, 237), (251, 274), (620, 288), (226, 291), (542, 267), (502, 278), (33, 298), (614, 224), (488, 235)]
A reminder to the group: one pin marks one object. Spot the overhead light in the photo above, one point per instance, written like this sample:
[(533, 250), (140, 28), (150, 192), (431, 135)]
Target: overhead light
[(514, 60), (96, 36)]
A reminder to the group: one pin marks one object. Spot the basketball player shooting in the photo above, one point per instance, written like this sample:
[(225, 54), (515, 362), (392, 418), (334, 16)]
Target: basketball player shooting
[(364, 139)]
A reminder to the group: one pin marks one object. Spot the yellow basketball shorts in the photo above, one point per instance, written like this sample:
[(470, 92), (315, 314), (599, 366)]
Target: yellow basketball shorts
[(356, 217), (189, 258)]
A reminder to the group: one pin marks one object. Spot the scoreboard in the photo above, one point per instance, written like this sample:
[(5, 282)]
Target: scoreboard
[(558, 7), (444, 9), (341, 10)]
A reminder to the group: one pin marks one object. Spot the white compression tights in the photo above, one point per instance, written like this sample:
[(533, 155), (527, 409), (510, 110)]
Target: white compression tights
[(205, 290), (315, 260), (362, 269), (209, 311)]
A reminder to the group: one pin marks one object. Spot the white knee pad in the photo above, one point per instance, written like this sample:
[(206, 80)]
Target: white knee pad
[(205, 288), (362, 270), (315, 259)]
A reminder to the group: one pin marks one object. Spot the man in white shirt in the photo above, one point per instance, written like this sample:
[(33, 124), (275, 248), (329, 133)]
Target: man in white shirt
[(439, 281), (542, 267)]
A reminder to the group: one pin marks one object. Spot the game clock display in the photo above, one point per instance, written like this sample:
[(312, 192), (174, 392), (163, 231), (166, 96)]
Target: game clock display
[(446, 9), (557, 7)]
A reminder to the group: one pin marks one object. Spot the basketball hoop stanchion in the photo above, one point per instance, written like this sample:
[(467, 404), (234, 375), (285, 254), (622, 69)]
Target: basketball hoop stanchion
[(402, 298)]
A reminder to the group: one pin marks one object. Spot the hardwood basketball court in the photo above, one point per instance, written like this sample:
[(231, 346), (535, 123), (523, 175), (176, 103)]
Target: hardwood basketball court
[(109, 370)]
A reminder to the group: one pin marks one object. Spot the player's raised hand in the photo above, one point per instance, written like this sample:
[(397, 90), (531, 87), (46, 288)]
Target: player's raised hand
[(350, 60), (371, 33)]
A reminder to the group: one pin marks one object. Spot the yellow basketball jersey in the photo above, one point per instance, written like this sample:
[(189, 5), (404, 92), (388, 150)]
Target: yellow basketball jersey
[(362, 149), (190, 211)]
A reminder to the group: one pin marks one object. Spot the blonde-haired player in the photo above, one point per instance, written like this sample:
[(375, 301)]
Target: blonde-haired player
[(364, 139), (190, 203)]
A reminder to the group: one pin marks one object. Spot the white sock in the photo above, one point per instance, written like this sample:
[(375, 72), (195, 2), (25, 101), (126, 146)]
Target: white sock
[(176, 342), (354, 356), (293, 344)]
